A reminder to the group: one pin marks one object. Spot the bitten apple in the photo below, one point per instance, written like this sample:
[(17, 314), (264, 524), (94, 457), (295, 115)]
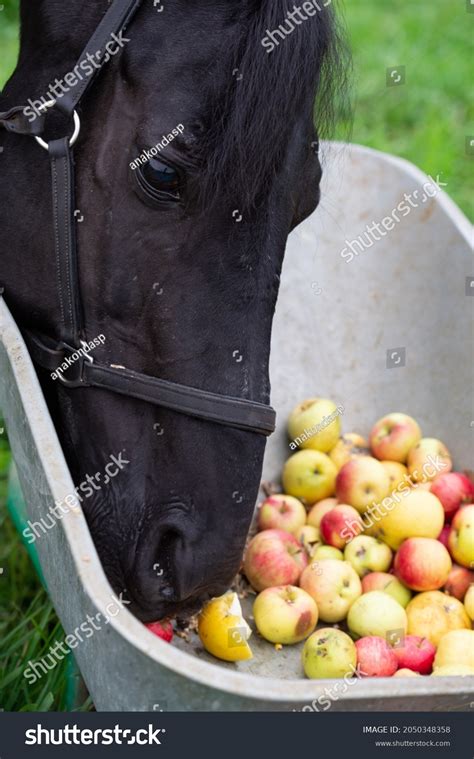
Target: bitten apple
[(285, 614), (319, 509), (427, 459), (348, 447), (393, 436), (334, 585), (453, 489), (387, 583), (340, 525), (432, 614), (368, 554), (329, 653), (422, 564), (362, 482), (415, 653), (376, 613), (461, 537), (375, 658), (315, 423), (274, 557), (309, 475), (281, 512)]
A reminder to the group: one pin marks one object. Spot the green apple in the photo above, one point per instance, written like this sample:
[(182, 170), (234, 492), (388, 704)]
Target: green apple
[(334, 585), (309, 475), (376, 613), (316, 424), (326, 552), (368, 554), (329, 653)]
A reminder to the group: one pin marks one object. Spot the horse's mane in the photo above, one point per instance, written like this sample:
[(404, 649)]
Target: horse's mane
[(250, 125)]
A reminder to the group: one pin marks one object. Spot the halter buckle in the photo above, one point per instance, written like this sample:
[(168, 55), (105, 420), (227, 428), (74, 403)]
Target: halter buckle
[(74, 374)]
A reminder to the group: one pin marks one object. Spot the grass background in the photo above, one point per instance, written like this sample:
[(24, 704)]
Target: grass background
[(425, 120)]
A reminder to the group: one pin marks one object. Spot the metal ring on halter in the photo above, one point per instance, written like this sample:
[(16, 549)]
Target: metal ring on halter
[(77, 125)]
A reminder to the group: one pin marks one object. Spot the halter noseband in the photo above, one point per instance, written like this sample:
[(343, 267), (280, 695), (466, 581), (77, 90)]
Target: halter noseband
[(85, 372)]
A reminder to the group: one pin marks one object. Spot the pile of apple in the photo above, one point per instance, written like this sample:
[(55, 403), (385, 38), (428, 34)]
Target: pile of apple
[(373, 538)]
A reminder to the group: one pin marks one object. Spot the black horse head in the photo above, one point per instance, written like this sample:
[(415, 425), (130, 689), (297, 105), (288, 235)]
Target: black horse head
[(197, 156)]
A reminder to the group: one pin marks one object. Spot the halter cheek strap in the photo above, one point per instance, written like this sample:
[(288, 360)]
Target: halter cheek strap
[(239, 413)]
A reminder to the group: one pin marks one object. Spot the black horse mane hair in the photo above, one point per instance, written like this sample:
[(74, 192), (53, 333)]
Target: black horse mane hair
[(250, 125)]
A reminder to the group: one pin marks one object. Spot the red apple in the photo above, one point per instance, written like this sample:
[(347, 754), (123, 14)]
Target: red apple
[(452, 489), (459, 580), (281, 512), (163, 629), (274, 557), (393, 436), (443, 536), (375, 658), (422, 564), (416, 653), (340, 524)]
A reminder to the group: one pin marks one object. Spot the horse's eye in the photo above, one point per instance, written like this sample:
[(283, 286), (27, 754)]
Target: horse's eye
[(160, 181)]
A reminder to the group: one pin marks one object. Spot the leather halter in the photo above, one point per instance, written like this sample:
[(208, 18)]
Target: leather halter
[(85, 372)]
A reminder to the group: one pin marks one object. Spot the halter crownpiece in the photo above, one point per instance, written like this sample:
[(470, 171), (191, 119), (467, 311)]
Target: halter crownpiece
[(239, 413)]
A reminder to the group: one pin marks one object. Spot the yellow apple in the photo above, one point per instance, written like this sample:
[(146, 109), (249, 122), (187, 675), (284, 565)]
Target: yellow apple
[(315, 423), (456, 670), (461, 536), (309, 475), (432, 614), (319, 509), (469, 602), (428, 458), (414, 514), (348, 447), (285, 614), (456, 647), (406, 673), (397, 474)]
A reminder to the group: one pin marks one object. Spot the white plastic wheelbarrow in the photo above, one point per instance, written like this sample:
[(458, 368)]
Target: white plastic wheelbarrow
[(388, 328)]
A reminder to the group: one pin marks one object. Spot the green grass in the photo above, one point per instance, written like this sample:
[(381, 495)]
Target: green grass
[(28, 622), (426, 120)]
